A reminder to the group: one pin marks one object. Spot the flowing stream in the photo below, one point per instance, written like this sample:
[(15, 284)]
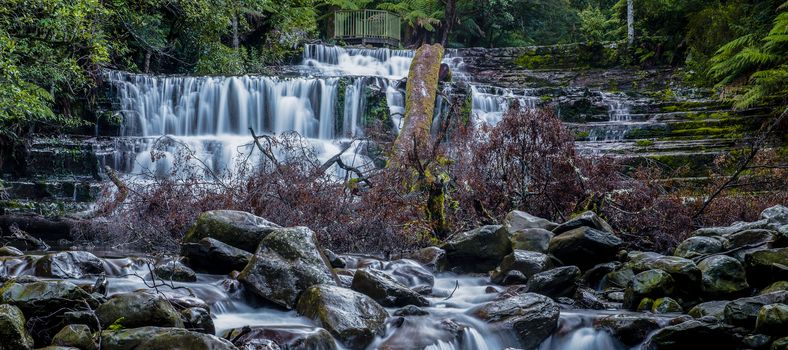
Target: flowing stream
[(452, 297)]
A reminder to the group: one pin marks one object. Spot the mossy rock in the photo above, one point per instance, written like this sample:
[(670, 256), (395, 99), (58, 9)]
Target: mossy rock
[(75, 335), (351, 317), (138, 309), (236, 228), (772, 319), (156, 338), (13, 334), (648, 284), (666, 305)]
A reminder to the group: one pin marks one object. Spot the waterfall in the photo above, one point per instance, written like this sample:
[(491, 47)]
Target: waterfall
[(489, 103)]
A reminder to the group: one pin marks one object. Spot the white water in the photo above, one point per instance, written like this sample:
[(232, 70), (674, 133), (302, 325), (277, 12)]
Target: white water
[(213, 115)]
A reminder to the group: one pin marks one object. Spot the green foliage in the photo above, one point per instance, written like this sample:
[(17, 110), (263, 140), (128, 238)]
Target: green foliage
[(599, 25), (755, 66)]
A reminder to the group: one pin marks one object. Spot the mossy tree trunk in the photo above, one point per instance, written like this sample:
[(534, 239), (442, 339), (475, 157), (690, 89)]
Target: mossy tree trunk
[(415, 147)]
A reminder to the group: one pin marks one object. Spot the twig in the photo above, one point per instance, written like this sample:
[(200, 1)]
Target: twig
[(456, 286)]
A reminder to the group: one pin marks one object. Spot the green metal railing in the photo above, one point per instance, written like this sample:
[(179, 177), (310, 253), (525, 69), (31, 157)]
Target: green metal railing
[(367, 24)]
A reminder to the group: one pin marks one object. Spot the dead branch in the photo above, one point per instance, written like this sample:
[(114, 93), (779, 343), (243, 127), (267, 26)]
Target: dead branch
[(756, 147)]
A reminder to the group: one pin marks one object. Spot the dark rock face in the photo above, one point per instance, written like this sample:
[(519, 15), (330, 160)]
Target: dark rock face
[(12, 329), (213, 256), (174, 270), (68, 265), (723, 277), (282, 337), (385, 290), (351, 317), (519, 220), (138, 309), (236, 228), (334, 260), (526, 262), (532, 317), (287, 262), (555, 283), (648, 284), (744, 312), (766, 266), (585, 247), (692, 335), (586, 219), (411, 310), (156, 338), (629, 329), (478, 250)]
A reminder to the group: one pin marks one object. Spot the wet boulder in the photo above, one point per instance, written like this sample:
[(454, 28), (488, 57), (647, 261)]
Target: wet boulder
[(431, 257), (774, 287), (138, 309), (174, 270), (692, 335), (585, 247), (714, 309), (749, 238), (411, 310), (287, 262), (648, 284), (213, 256), (780, 344), (531, 239), (723, 277), (526, 262), (385, 290), (766, 266), (684, 271), (156, 338), (666, 305), (586, 219), (411, 274), (630, 329), (75, 335), (68, 265), (772, 319), (334, 260), (697, 246), (519, 220), (728, 230), (776, 215), (198, 319), (617, 279), (12, 329), (47, 301), (282, 337), (237, 228), (532, 317), (421, 333), (743, 312), (351, 317), (555, 283), (478, 250), (10, 251)]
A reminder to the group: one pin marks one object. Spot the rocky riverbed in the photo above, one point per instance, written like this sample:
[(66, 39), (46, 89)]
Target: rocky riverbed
[(242, 282)]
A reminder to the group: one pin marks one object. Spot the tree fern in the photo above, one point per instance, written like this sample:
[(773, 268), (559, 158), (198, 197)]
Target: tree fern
[(757, 65)]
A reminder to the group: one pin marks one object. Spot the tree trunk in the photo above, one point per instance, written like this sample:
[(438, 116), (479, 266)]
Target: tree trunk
[(147, 61), (235, 32), (421, 92), (450, 16), (630, 23)]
